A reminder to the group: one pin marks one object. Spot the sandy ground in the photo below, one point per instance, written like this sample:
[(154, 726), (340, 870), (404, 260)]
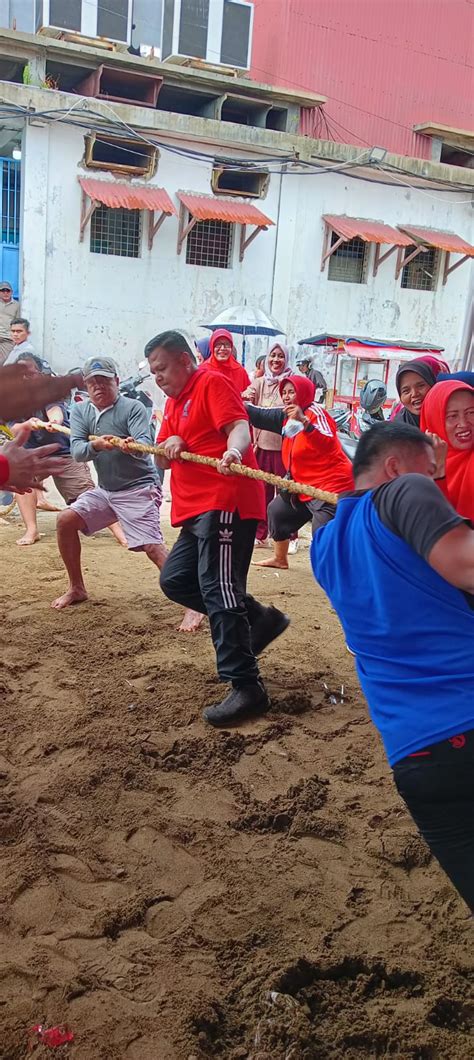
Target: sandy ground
[(178, 893)]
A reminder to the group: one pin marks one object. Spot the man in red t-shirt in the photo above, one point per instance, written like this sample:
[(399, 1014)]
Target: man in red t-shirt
[(218, 514)]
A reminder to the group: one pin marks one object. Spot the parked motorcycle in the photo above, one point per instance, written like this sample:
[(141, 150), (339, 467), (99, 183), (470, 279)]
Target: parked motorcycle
[(342, 419), (372, 399)]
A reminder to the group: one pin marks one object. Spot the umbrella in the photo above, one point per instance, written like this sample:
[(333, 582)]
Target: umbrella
[(244, 320)]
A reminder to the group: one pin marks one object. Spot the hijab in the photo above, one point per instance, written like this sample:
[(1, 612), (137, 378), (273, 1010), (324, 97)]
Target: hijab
[(230, 365), (426, 372), (203, 347), (459, 462), (231, 369), (465, 377), (285, 373), (305, 389)]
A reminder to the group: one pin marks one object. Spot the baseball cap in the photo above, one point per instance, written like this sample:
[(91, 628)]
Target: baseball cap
[(5, 283), (100, 366)]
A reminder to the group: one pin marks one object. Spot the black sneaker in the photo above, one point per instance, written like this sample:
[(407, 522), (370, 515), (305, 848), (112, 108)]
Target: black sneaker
[(267, 627), (240, 703)]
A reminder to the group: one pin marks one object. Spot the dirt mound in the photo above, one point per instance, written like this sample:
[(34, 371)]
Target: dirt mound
[(288, 812)]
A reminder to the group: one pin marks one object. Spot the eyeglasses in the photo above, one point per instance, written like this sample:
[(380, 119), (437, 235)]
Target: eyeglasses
[(5, 289)]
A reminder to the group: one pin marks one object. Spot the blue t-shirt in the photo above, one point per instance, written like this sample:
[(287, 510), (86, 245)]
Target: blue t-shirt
[(411, 631)]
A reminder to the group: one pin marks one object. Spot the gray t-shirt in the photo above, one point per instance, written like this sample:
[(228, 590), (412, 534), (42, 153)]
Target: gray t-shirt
[(115, 470), (413, 508)]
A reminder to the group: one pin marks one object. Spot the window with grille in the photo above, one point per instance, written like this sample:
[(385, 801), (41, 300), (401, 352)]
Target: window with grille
[(349, 261), (116, 232), (210, 243), (421, 274)]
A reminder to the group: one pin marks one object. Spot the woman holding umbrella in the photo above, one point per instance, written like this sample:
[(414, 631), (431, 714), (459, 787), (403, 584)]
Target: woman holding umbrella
[(222, 360)]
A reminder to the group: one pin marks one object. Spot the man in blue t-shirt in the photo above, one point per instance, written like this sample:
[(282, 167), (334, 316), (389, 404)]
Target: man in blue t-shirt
[(397, 563)]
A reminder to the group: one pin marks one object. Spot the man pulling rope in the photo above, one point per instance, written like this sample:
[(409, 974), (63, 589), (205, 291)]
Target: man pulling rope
[(218, 514)]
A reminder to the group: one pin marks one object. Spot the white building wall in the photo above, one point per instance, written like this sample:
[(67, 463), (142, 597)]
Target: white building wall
[(94, 302), (82, 303), (379, 307)]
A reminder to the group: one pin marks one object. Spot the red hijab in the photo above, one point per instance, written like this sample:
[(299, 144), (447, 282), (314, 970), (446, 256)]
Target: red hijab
[(460, 463), (305, 389), (231, 369)]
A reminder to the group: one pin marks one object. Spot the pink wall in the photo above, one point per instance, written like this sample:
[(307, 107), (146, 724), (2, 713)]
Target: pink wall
[(385, 65)]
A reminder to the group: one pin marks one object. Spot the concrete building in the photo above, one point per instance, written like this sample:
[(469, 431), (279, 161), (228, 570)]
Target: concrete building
[(116, 242), (396, 74)]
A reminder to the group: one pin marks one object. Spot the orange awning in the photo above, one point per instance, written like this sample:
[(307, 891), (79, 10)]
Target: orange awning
[(207, 208), (431, 237), (128, 196), (369, 231)]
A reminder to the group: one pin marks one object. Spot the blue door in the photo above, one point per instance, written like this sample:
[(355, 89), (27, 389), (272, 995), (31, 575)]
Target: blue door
[(10, 231)]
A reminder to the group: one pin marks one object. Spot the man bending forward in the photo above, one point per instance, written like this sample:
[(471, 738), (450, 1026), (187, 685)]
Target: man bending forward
[(129, 489)]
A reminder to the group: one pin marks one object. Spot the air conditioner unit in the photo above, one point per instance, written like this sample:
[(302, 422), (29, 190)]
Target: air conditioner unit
[(111, 19), (218, 31)]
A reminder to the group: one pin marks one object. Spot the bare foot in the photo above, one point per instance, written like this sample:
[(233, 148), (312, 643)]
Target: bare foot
[(73, 596), (29, 539), (45, 506), (191, 621), (281, 564)]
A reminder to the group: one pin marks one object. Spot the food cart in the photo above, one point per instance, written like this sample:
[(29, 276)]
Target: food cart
[(356, 360)]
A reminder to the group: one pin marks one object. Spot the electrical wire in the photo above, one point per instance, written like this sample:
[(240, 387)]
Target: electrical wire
[(310, 168), (292, 83)]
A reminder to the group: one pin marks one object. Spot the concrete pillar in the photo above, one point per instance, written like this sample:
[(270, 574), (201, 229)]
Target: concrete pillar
[(37, 68), (33, 230), (436, 147)]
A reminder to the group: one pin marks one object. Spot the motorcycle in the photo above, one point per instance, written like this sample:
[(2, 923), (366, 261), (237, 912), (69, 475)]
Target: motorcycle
[(372, 399), (130, 388), (342, 419)]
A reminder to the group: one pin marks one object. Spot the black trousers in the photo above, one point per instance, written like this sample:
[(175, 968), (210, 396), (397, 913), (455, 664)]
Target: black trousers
[(285, 518), (437, 785), (207, 570)]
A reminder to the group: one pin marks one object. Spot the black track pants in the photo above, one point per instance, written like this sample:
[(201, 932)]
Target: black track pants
[(207, 570), (437, 785)]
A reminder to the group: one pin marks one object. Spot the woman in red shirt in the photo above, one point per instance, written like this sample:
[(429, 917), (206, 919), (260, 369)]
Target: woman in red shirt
[(222, 360), (311, 453)]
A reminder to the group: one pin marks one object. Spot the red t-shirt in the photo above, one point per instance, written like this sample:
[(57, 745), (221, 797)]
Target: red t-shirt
[(207, 403), (317, 457)]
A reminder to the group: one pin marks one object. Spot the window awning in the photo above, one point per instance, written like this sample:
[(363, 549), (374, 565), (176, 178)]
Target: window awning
[(128, 197), (369, 231), (431, 237), (207, 208), (447, 241), (361, 228)]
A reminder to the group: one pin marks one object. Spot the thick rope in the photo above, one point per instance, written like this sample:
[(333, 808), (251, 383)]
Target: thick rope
[(211, 461)]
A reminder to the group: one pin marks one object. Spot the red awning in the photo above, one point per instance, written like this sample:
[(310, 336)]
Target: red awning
[(431, 237), (207, 208), (369, 231), (128, 196)]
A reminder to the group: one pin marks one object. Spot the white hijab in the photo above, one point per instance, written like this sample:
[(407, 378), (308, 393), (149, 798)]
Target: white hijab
[(269, 377)]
